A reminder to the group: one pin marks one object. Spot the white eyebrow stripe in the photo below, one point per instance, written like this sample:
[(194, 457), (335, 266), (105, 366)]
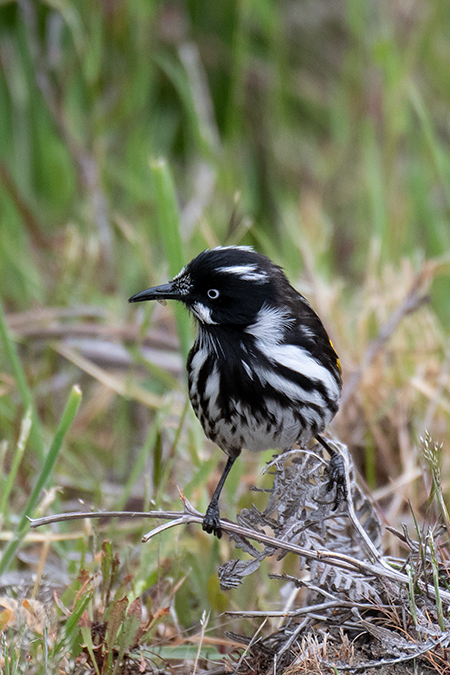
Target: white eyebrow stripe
[(246, 272), (236, 248), (237, 269)]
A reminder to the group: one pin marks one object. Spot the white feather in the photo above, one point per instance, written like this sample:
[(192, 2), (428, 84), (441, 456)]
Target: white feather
[(203, 313), (245, 431), (299, 360), (292, 390), (247, 369), (270, 325), (197, 363), (212, 390), (246, 273), (230, 248), (269, 330)]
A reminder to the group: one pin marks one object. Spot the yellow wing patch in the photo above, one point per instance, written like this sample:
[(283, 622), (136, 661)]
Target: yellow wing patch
[(338, 363)]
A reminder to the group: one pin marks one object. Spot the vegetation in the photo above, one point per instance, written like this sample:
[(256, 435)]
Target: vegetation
[(133, 135)]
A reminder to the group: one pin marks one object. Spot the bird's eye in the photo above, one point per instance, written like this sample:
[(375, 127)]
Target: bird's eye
[(213, 294)]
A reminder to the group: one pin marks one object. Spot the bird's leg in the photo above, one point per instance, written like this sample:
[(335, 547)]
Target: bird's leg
[(211, 521), (336, 471)]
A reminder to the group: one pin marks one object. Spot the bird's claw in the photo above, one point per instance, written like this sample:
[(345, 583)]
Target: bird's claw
[(211, 521), (336, 473)]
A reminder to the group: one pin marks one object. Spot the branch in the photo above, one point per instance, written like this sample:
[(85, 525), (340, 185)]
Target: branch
[(191, 515), (81, 515), (303, 610)]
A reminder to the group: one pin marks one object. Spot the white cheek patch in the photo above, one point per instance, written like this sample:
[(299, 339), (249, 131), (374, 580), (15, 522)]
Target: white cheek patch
[(202, 313)]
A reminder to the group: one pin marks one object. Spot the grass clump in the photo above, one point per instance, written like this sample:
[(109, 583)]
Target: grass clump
[(315, 132)]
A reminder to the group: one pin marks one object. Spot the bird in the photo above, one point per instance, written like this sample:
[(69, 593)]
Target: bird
[(262, 372)]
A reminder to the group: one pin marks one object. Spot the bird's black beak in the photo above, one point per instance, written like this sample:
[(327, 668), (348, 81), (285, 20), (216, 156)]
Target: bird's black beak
[(165, 292)]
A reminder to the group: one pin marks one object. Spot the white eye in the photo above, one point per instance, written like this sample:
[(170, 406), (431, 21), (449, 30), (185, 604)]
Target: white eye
[(213, 294)]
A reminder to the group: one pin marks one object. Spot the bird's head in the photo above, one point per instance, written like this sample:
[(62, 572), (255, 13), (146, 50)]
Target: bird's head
[(223, 286)]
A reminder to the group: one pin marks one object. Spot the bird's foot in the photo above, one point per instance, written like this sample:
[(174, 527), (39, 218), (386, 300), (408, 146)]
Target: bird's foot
[(336, 473), (211, 521)]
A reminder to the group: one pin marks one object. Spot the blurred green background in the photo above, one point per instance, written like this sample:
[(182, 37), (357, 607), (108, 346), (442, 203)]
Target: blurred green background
[(329, 119), (317, 131)]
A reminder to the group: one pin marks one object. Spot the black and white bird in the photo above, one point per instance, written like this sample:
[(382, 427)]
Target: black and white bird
[(263, 372)]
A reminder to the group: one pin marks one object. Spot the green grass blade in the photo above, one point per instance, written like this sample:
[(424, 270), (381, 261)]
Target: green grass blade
[(87, 639), (411, 594), (169, 227), (434, 144), (436, 580), (66, 420), (72, 622), (17, 458), (12, 357)]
